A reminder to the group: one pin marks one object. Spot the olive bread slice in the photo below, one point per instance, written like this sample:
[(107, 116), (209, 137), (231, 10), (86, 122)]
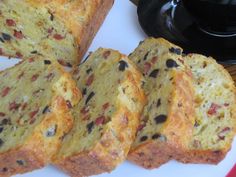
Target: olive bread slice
[(106, 119), (168, 118), (59, 29), (36, 98), (215, 100)]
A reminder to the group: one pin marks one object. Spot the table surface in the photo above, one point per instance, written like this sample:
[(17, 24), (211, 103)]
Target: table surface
[(121, 31)]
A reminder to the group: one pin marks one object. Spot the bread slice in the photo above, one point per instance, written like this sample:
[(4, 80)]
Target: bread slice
[(61, 29), (36, 97), (215, 100), (107, 117), (168, 118)]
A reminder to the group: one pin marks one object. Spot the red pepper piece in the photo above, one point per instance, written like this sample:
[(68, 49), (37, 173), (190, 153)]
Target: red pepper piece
[(58, 37), (2, 114), (10, 22), (31, 60), (19, 55), (100, 120), (50, 76), (213, 109), (105, 106), (32, 114), (34, 77), (84, 110), (14, 106), (86, 117), (221, 134), (50, 30), (69, 105), (226, 104), (5, 91), (18, 34), (106, 54), (147, 67), (154, 60), (140, 127), (90, 80)]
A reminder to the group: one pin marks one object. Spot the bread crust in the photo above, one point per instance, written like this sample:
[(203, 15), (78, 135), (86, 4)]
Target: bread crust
[(37, 150), (153, 154), (94, 12), (114, 145), (93, 25)]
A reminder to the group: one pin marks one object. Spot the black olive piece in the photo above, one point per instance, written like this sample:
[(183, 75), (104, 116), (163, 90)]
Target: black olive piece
[(1, 142), (5, 122), (158, 102), (154, 73), (90, 127), (160, 119), (196, 124), (51, 131), (145, 56), (2, 40), (84, 91), (156, 136), (4, 169), (51, 17), (143, 138), (69, 105), (69, 65), (6, 37), (89, 97), (171, 79), (46, 110), (170, 63), (89, 70), (47, 62), (34, 52), (123, 65), (123, 90), (180, 104), (143, 84), (1, 129), (175, 50), (20, 162)]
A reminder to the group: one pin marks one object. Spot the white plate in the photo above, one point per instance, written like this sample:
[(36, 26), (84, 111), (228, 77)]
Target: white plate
[(121, 31)]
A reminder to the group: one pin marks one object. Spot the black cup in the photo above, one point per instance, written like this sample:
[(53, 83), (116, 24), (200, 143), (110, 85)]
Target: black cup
[(202, 26), (216, 16)]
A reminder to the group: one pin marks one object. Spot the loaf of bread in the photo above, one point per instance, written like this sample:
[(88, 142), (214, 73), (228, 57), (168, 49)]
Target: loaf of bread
[(61, 29), (106, 119), (36, 99), (168, 118), (215, 100)]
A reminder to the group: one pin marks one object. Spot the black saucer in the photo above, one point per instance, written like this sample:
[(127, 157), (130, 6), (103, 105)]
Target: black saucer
[(196, 25)]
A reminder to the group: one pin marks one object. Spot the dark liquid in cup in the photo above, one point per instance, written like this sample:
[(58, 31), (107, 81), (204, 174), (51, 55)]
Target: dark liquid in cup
[(202, 26)]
